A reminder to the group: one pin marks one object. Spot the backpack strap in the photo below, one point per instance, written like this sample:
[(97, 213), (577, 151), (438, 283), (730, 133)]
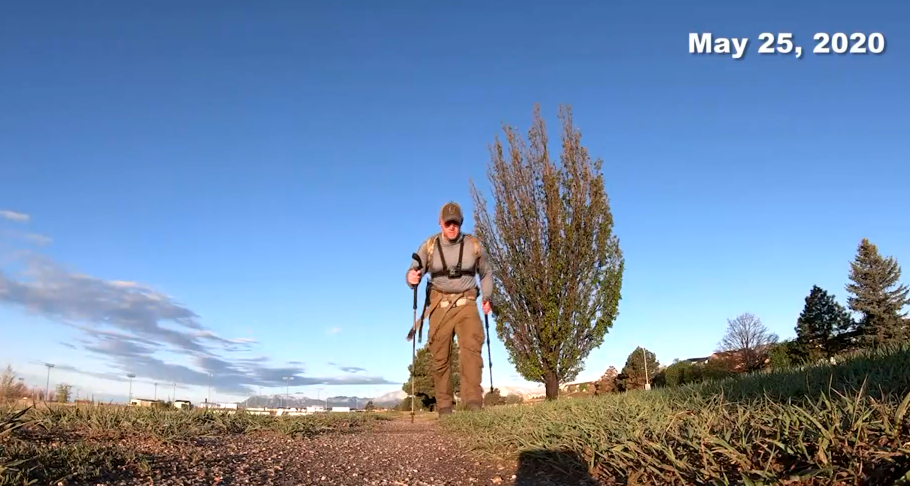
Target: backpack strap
[(433, 241), (431, 245)]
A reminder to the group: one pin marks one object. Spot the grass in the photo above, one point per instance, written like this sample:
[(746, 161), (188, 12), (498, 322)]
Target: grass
[(47, 444), (843, 424)]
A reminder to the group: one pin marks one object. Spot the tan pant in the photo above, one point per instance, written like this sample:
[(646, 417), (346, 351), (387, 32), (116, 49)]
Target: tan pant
[(447, 321)]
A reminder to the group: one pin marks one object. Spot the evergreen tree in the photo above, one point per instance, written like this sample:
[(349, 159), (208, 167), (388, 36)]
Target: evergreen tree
[(556, 259), (820, 324), (877, 296), (633, 373), (424, 379)]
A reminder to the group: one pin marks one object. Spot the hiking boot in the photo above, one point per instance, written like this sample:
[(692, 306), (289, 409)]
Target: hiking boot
[(444, 411), (473, 406)]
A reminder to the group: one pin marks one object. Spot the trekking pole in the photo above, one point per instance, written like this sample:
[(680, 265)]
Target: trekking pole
[(486, 320), (416, 257)]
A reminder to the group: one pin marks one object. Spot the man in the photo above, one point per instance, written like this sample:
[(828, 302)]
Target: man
[(455, 258)]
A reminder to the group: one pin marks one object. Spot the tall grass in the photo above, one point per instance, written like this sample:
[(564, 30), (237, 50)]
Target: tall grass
[(50, 444), (843, 424)]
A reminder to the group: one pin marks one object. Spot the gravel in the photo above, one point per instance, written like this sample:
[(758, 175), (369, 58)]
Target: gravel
[(391, 453)]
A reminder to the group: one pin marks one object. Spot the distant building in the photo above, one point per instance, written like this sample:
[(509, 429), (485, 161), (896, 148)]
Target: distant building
[(341, 409), (183, 404), (142, 402)]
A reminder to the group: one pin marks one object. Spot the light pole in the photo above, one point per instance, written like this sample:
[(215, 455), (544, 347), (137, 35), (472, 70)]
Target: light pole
[(647, 381), (259, 397), (209, 399), (287, 385), (156, 392), (130, 376), (175, 392), (47, 386)]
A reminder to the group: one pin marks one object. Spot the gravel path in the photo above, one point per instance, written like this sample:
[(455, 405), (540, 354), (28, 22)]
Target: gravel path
[(391, 453)]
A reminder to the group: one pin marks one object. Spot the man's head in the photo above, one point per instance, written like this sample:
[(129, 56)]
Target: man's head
[(450, 220)]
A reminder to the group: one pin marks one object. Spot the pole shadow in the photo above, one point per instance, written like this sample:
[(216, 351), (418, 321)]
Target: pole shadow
[(540, 467)]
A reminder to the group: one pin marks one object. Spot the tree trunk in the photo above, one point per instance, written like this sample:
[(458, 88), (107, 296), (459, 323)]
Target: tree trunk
[(551, 381)]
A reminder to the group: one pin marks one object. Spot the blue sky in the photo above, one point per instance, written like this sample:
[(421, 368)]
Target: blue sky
[(263, 173)]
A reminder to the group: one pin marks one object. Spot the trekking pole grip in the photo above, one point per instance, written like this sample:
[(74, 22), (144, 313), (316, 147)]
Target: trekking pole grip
[(416, 258)]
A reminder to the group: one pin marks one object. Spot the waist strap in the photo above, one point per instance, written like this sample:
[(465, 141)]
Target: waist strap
[(456, 299), (462, 301)]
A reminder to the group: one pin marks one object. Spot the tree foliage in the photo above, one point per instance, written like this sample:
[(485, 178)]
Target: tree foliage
[(820, 325), (641, 367), (63, 393), (423, 379), (557, 263), (493, 398), (681, 373), (10, 387), (607, 382), (876, 294), (749, 339)]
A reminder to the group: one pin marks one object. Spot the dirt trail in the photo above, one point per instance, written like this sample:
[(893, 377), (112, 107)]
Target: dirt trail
[(392, 453)]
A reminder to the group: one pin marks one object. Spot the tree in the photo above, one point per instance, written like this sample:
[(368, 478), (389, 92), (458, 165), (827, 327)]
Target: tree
[(747, 337), (369, 407), (607, 382), (493, 398), (681, 373), (633, 373), (557, 263), (63, 393), (11, 388), (820, 325), (424, 379), (875, 294), (786, 354)]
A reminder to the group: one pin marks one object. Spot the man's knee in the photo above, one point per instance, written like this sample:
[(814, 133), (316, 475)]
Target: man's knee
[(470, 333)]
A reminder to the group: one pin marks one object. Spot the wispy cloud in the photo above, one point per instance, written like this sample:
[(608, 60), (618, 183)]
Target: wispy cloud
[(352, 369), (129, 325), (13, 215), (333, 330), (33, 238)]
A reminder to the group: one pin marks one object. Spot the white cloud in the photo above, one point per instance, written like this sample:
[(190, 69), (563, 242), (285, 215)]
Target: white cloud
[(13, 215), (37, 239), (128, 324), (334, 330)]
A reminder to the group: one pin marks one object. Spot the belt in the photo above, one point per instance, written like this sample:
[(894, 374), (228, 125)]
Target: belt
[(462, 301)]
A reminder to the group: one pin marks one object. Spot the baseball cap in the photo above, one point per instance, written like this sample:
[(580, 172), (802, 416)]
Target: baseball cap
[(451, 212)]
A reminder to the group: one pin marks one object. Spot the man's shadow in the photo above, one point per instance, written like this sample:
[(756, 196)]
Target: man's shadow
[(549, 467)]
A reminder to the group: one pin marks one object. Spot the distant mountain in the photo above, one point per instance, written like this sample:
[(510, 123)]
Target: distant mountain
[(390, 399), (523, 391), (276, 401)]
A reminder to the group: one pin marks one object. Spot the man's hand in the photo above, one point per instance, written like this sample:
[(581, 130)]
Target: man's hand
[(487, 308), (413, 277)]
